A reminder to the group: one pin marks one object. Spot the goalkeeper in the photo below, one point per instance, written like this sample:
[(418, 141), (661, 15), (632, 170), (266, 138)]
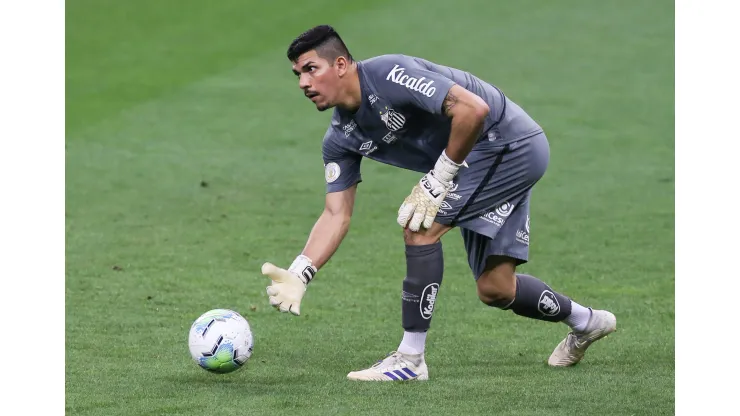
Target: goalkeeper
[(480, 155)]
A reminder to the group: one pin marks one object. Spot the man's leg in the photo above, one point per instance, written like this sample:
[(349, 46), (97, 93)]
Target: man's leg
[(424, 269), (494, 261), (500, 286)]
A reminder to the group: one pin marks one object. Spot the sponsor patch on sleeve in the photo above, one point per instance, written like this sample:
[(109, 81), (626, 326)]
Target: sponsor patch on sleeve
[(331, 172)]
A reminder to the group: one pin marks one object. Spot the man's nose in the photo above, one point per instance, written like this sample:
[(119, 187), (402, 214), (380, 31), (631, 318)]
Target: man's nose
[(303, 81)]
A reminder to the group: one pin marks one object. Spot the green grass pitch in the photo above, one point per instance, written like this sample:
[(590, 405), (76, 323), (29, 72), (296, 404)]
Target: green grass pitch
[(192, 158)]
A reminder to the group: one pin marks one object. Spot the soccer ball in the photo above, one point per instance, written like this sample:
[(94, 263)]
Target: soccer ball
[(220, 341)]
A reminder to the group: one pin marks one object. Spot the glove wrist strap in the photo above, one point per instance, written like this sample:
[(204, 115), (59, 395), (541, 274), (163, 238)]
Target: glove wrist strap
[(303, 268), (445, 169)]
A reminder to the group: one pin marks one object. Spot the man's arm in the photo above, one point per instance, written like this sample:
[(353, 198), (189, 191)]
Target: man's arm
[(331, 227), (468, 113), (289, 286)]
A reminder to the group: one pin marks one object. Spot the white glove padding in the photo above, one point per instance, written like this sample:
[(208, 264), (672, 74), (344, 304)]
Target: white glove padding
[(288, 286), (421, 206)]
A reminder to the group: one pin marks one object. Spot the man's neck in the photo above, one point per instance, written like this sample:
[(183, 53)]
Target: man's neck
[(353, 92)]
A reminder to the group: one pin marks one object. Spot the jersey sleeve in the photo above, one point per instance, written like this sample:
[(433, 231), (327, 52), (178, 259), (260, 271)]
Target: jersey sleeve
[(404, 82), (341, 166)]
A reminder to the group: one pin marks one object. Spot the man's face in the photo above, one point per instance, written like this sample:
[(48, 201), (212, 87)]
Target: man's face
[(318, 79)]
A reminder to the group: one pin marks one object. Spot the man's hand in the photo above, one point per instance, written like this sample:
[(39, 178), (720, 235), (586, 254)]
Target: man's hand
[(289, 286), (421, 206)]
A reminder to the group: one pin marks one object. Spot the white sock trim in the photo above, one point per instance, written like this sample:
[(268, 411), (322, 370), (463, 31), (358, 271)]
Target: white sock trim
[(578, 318), (413, 343)]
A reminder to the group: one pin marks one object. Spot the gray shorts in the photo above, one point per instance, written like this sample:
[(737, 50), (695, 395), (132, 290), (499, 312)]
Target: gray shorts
[(490, 199)]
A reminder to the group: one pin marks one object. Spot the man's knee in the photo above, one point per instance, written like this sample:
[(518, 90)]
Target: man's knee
[(425, 236), (497, 283), (497, 294)]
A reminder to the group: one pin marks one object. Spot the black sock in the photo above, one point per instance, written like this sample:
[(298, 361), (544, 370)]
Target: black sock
[(534, 299), (424, 268)]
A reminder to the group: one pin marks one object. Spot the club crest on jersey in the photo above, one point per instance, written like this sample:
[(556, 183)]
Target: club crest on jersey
[(392, 119)]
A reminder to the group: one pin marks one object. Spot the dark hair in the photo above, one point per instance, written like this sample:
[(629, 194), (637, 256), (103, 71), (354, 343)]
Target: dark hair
[(324, 39)]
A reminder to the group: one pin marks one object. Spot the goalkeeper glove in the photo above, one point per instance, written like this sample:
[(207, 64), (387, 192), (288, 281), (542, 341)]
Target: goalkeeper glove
[(421, 206), (289, 286)]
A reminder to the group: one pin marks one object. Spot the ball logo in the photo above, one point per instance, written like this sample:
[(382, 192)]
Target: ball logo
[(505, 209), (548, 304), (428, 297), (331, 172)]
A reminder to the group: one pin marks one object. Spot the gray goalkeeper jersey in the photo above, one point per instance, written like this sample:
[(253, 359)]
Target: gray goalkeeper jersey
[(400, 121)]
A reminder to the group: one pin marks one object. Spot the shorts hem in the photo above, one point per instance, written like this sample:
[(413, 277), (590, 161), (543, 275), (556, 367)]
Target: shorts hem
[(519, 261)]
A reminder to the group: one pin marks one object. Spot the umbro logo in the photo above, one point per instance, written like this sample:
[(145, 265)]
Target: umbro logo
[(368, 147)]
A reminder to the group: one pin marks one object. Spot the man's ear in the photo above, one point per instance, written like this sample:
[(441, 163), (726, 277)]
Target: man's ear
[(342, 65)]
